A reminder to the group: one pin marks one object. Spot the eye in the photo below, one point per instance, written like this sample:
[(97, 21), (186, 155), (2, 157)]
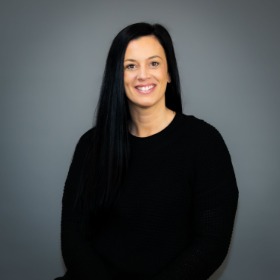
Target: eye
[(130, 66), (154, 64)]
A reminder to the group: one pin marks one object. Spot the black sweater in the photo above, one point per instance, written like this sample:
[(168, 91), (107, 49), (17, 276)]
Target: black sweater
[(174, 218)]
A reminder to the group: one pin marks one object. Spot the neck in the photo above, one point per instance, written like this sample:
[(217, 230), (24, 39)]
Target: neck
[(146, 122)]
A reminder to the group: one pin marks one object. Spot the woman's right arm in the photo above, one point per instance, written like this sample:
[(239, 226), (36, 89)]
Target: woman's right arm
[(80, 258)]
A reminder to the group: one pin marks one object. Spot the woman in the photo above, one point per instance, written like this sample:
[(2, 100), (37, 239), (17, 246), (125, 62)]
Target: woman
[(151, 193)]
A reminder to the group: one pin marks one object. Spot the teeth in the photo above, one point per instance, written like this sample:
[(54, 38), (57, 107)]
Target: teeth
[(146, 88)]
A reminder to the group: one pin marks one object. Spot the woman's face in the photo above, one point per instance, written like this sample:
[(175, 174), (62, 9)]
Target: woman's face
[(145, 73)]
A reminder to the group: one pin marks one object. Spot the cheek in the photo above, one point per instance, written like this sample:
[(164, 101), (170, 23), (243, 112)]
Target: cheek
[(127, 83), (163, 76), (126, 78), (129, 78)]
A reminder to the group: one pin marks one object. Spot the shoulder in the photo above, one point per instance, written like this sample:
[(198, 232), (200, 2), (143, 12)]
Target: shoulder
[(203, 138), (86, 138), (84, 144), (81, 152), (197, 129)]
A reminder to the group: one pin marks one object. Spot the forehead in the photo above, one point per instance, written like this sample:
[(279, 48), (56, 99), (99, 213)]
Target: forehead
[(144, 47)]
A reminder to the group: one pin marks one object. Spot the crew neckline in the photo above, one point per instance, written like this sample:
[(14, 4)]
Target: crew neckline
[(162, 132)]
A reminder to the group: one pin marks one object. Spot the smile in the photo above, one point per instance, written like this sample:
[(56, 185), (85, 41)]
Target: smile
[(145, 89)]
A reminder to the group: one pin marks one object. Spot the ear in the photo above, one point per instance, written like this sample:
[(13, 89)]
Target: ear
[(168, 79)]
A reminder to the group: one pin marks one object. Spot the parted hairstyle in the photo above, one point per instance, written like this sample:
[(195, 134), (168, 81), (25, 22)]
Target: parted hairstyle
[(108, 159)]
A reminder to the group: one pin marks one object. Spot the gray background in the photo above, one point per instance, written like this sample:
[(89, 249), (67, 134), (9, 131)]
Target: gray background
[(51, 61)]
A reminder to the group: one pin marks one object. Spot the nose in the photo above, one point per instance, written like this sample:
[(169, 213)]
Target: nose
[(143, 73)]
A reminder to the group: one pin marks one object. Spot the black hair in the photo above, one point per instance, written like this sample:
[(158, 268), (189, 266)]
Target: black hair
[(110, 150)]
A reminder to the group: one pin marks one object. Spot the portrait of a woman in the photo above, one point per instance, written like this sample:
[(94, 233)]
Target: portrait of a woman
[(151, 192)]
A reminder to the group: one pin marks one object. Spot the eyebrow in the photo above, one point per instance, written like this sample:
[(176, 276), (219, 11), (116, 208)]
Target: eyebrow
[(151, 57)]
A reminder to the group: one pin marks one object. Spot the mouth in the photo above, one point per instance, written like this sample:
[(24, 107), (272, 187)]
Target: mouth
[(145, 89)]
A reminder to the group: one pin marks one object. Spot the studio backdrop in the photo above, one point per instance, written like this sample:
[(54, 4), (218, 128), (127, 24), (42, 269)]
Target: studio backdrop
[(51, 64)]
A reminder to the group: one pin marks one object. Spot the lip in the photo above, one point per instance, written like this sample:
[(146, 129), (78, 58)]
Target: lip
[(145, 89)]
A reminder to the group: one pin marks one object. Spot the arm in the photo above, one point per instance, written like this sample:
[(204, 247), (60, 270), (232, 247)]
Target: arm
[(80, 258), (215, 196)]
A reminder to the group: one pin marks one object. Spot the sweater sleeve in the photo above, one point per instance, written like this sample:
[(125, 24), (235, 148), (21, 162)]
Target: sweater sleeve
[(80, 258), (215, 197)]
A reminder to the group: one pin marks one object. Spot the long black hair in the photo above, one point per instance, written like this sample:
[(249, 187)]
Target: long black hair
[(109, 156)]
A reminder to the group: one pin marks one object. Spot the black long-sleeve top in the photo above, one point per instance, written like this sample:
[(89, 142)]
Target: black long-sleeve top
[(175, 215)]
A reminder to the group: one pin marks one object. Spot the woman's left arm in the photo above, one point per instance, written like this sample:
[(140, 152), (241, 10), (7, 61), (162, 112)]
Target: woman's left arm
[(215, 196)]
